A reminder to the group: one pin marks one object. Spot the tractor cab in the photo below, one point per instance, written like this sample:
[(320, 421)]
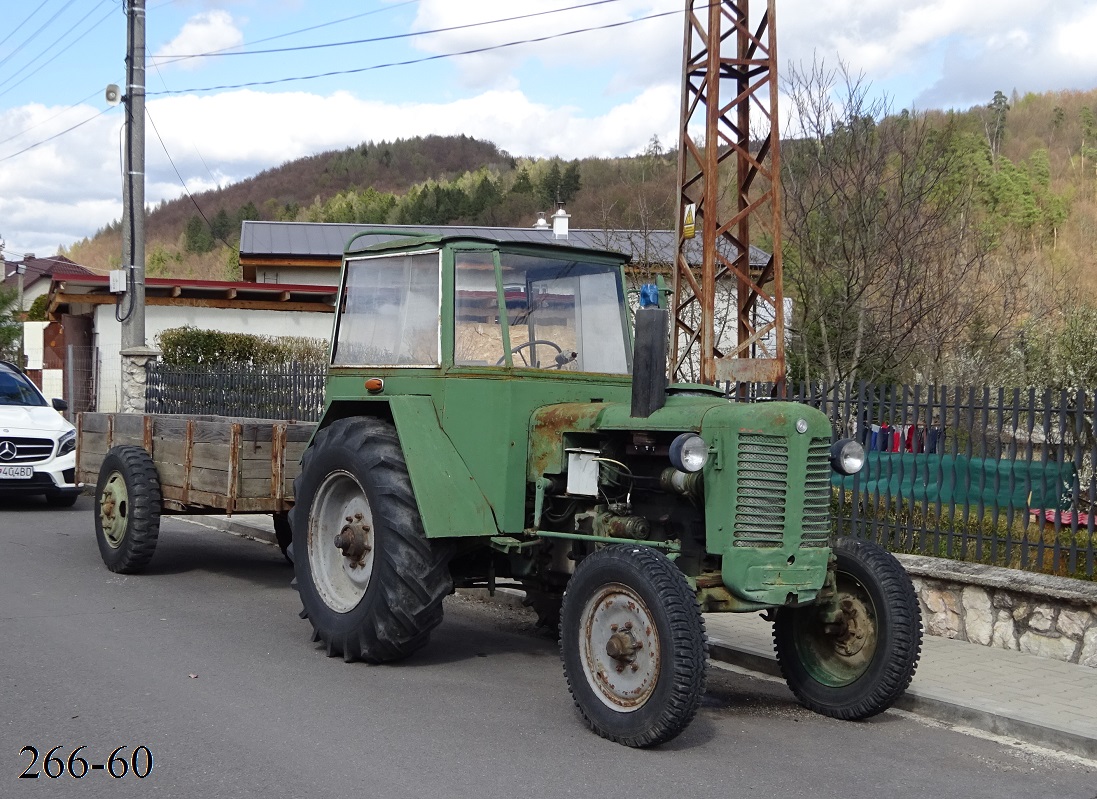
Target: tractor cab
[(460, 302)]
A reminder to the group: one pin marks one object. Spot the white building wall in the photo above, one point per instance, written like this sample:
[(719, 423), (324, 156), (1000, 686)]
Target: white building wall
[(34, 343), (108, 334)]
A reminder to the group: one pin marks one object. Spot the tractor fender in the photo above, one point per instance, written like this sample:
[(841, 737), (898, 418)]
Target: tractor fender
[(450, 502)]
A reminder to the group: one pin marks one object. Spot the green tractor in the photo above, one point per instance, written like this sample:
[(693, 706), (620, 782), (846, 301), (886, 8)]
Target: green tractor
[(489, 416)]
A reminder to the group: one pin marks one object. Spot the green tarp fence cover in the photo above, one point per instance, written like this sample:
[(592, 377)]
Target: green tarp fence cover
[(963, 480)]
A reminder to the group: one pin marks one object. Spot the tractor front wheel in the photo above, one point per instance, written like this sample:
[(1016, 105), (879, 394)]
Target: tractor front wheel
[(851, 656), (633, 644)]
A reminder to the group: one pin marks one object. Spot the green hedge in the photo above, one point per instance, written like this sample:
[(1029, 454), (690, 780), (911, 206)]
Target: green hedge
[(189, 346)]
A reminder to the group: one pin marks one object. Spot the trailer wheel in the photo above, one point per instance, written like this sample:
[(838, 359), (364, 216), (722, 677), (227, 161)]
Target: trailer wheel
[(632, 639), (127, 509), (283, 535), (851, 658), (371, 583)]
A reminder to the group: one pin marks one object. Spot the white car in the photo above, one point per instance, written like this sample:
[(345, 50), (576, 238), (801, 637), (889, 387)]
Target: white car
[(37, 443)]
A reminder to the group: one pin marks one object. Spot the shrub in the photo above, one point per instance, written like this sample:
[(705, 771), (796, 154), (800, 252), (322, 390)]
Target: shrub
[(189, 346)]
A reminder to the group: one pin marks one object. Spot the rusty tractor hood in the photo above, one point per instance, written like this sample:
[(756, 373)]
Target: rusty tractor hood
[(702, 413)]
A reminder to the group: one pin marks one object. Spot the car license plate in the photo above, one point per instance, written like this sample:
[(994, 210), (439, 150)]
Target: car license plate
[(16, 472)]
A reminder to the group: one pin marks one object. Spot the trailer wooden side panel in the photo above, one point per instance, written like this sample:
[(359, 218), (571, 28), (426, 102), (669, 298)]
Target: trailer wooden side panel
[(236, 465)]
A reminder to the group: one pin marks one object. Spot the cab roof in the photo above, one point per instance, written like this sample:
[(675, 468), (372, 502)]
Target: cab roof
[(384, 240)]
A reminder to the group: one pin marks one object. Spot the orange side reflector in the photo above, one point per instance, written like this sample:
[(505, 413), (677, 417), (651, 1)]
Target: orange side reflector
[(375, 385)]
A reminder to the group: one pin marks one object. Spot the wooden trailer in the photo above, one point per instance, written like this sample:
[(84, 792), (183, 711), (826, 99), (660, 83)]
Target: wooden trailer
[(145, 465)]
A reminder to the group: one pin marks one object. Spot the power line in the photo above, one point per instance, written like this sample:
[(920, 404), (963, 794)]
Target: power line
[(396, 36), (410, 62), (182, 182), (200, 156), (41, 28), (26, 19), (50, 119), (101, 20), (224, 50), (374, 67), (55, 136)]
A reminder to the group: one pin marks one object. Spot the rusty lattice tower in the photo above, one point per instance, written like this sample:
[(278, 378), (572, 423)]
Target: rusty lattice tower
[(728, 302)]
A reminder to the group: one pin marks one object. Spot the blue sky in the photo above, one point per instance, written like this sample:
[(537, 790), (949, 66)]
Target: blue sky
[(602, 92)]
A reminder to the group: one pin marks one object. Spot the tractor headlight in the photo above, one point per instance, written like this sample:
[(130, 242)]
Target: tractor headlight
[(847, 456), (688, 453)]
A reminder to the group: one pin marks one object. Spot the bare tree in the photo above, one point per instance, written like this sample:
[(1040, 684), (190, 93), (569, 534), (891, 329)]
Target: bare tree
[(886, 261)]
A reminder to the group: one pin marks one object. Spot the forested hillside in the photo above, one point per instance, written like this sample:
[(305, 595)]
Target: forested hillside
[(432, 180), (933, 246)]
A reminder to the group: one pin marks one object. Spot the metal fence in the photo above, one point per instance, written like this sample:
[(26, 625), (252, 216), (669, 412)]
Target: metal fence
[(293, 393), (997, 476)]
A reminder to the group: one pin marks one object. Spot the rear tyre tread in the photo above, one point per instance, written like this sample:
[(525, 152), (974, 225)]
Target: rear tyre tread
[(412, 573)]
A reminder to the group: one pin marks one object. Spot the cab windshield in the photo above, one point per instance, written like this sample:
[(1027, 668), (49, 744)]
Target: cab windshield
[(560, 313)]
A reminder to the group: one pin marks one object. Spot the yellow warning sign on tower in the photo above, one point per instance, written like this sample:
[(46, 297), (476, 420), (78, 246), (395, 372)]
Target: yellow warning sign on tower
[(689, 229)]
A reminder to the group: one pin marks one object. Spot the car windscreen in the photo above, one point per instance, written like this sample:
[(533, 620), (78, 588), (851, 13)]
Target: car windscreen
[(17, 390)]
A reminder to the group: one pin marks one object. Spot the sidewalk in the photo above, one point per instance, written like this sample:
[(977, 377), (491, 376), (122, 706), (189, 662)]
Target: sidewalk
[(1037, 700)]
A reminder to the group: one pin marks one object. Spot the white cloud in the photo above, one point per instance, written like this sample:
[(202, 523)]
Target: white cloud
[(949, 53), (207, 32), (1073, 40), (630, 51), (68, 188)]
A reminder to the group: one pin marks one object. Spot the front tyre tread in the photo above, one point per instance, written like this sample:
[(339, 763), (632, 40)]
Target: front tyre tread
[(683, 645), (898, 644)]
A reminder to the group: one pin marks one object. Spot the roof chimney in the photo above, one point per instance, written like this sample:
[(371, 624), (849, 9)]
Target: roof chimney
[(28, 257), (541, 223), (560, 223)]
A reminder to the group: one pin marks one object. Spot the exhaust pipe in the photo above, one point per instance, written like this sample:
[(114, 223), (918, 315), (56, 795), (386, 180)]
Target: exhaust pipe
[(649, 361)]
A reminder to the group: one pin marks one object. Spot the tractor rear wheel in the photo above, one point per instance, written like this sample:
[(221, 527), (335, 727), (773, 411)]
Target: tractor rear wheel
[(633, 644), (851, 657), (370, 582)]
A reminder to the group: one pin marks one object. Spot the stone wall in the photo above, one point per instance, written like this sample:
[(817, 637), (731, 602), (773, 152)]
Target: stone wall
[(134, 377), (1033, 613)]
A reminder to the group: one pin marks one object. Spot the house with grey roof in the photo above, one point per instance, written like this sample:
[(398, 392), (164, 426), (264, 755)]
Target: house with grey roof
[(311, 252)]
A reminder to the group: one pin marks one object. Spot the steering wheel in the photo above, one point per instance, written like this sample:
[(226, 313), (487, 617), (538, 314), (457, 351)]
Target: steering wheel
[(561, 359)]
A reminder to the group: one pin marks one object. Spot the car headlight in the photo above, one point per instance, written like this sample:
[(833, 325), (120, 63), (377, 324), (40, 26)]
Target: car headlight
[(688, 453), (67, 443), (847, 456)]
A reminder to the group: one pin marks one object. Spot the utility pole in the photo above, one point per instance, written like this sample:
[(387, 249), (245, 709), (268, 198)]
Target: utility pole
[(20, 273), (135, 354), (133, 182)]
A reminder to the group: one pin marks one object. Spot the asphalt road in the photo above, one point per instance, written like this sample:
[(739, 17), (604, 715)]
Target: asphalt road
[(204, 661)]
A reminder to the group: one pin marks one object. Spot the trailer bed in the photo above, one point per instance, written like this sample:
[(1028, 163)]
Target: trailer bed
[(205, 463)]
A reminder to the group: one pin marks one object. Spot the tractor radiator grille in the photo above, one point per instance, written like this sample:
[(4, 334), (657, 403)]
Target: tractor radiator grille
[(816, 527), (762, 477), (762, 497)]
